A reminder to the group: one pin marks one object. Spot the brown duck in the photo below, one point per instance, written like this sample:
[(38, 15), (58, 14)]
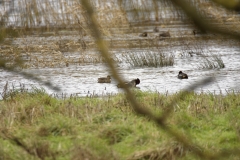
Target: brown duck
[(144, 34), (156, 29), (104, 79), (165, 34)]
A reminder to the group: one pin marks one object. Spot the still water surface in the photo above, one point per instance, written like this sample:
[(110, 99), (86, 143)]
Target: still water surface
[(82, 79)]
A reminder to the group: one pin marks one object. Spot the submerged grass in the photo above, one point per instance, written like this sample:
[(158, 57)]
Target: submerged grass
[(149, 59), (212, 62), (34, 125)]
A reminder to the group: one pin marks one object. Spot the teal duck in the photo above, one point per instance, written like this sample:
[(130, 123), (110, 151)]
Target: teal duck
[(104, 79), (130, 84), (165, 34), (144, 34), (182, 75)]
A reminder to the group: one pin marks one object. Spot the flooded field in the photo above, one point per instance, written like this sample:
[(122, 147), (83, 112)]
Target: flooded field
[(61, 60), (68, 58)]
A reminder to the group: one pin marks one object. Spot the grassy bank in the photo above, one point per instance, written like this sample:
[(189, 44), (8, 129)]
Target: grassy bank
[(34, 125)]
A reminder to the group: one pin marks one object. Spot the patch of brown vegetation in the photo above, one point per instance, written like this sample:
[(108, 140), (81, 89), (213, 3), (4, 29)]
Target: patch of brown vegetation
[(169, 151), (36, 148), (115, 135), (80, 153), (84, 153)]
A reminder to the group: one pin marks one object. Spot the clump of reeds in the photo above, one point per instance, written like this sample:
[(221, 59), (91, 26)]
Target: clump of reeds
[(48, 15), (149, 59), (212, 62), (11, 91)]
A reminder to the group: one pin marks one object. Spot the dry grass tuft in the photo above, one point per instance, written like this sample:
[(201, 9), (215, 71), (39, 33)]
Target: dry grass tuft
[(168, 151), (80, 153), (115, 135), (86, 153), (3, 155), (36, 148)]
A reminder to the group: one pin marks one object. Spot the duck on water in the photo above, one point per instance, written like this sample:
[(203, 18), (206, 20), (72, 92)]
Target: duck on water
[(104, 79), (131, 84), (182, 75)]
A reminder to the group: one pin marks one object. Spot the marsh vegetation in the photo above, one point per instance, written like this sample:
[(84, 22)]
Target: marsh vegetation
[(35, 125), (149, 59), (65, 46)]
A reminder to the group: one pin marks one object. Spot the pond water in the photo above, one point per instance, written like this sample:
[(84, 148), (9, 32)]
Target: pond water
[(81, 78)]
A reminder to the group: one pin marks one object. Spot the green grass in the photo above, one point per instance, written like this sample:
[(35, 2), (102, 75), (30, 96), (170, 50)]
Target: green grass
[(34, 125)]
